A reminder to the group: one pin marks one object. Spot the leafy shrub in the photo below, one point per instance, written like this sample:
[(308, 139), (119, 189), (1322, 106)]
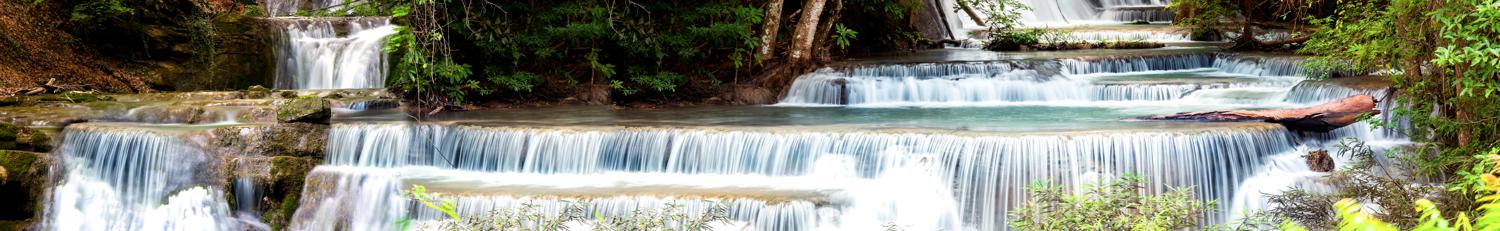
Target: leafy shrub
[(842, 36), (529, 216), (1353, 216), (1116, 205)]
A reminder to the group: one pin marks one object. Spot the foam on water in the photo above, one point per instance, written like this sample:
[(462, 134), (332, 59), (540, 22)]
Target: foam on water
[(1066, 80), (118, 177), (984, 176), (332, 53)]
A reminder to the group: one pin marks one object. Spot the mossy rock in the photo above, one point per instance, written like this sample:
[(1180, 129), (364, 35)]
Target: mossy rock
[(305, 110), (16, 137), (1206, 35), (281, 139), (76, 97), (22, 186), (288, 175), (257, 92)]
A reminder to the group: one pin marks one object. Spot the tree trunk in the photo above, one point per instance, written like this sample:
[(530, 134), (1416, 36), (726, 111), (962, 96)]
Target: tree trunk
[(1320, 118), (972, 15), (807, 29), (820, 43), (771, 26)]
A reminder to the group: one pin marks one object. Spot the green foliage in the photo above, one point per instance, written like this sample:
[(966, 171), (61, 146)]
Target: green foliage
[(95, 14), (1203, 14), (883, 22), (842, 36), (653, 46), (1442, 56), (1003, 15), (1367, 180), (518, 82), (529, 216), (1353, 216), (1114, 206), (660, 81), (254, 10)]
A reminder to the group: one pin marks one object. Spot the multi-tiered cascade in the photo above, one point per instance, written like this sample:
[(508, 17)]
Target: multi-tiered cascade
[(328, 52)]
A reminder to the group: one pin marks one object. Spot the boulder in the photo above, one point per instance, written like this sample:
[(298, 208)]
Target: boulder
[(22, 187), (257, 92), (16, 137), (304, 110), (281, 139), (1319, 161), (288, 175)]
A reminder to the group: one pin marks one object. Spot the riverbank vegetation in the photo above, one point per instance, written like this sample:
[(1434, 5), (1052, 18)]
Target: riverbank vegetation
[(1444, 60), (456, 52)]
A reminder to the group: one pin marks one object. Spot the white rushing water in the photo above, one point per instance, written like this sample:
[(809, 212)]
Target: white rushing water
[(871, 178), (332, 53), (1077, 80), (282, 8), (1062, 13), (119, 177)]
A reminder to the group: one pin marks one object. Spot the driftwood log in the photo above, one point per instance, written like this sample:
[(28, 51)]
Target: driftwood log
[(1319, 118)]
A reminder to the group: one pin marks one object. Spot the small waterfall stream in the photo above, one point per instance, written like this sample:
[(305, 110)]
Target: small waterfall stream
[(123, 177), (339, 53), (1064, 13), (1077, 80), (328, 52), (986, 174)]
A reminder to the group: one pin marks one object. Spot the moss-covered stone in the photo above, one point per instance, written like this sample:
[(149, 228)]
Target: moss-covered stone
[(257, 92), (15, 137), (304, 110), (22, 187), (288, 175), (282, 139), (1206, 34), (72, 97)]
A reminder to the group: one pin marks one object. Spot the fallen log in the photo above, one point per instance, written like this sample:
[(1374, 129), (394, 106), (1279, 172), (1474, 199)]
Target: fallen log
[(1319, 118)]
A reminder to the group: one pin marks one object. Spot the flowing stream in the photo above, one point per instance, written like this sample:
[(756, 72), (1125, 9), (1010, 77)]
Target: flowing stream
[(328, 52), (937, 144)]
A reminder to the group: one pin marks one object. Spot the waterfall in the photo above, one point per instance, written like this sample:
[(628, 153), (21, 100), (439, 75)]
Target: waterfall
[(1053, 13), (282, 8), (125, 177), (984, 175), (1132, 35), (332, 53), (1054, 81)]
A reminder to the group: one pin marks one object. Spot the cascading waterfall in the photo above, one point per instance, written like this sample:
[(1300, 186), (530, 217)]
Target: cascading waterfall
[(1046, 13), (984, 175), (332, 53), (282, 8), (124, 177), (1078, 80), (1117, 35)]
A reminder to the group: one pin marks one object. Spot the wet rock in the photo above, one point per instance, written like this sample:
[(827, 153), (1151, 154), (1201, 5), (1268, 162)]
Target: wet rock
[(283, 139), (1319, 161), (22, 187), (76, 97), (288, 175), (1206, 35), (304, 110), (16, 137), (286, 94), (750, 95), (257, 92), (6, 101), (331, 95)]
